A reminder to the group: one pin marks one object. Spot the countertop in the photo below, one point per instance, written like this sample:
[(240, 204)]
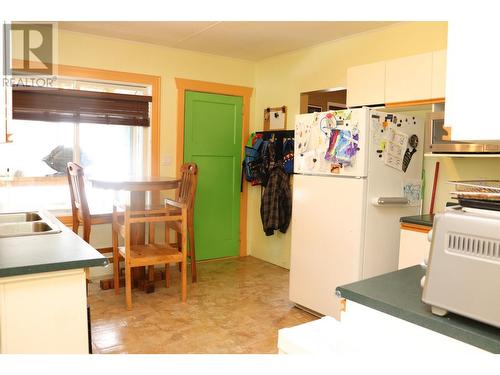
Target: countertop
[(46, 253), (425, 220), (399, 294)]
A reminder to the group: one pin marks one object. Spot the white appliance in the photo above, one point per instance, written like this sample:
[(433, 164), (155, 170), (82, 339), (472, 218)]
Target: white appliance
[(349, 191), (463, 275)]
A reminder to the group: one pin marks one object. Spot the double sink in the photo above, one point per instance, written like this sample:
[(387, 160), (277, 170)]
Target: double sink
[(26, 224)]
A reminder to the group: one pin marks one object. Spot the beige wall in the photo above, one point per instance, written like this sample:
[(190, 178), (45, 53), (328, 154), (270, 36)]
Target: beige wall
[(280, 80)]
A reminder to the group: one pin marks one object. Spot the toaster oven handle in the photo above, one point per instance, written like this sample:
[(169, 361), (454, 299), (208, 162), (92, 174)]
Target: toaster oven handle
[(390, 201)]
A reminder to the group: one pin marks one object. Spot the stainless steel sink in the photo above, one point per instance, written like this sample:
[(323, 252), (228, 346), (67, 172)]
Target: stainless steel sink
[(26, 224), (19, 217)]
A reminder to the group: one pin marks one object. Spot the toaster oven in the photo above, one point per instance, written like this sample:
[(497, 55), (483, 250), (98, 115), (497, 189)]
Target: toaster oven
[(463, 272), (438, 139)]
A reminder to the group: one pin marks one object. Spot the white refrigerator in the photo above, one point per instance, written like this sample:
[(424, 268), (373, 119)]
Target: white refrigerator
[(356, 173)]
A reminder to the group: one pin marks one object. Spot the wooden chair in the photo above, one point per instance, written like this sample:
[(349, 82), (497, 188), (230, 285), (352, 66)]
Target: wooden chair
[(80, 208), (151, 253), (185, 194), (82, 215)]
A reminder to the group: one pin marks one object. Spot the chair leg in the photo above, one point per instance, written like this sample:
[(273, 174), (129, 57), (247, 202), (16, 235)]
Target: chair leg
[(116, 263), (86, 232), (152, 232), (167, 275), (167, 235), (184, 266), (128, 287), (151, 273), (192, 252), (179, 246)]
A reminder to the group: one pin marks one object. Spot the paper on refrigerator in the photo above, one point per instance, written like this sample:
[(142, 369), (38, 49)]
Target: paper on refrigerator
[(395, 148)]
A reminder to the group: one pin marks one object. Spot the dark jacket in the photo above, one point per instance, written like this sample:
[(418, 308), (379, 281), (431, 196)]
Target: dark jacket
[(276, 203)]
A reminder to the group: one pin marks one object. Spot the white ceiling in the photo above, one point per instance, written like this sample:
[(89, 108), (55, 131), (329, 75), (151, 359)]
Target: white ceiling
[(243, 40)]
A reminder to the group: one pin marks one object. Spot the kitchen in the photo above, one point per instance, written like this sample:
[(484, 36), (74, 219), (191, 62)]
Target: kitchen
[(270, 79)]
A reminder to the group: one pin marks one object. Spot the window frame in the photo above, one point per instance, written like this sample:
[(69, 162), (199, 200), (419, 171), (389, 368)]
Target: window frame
[(118, 77)]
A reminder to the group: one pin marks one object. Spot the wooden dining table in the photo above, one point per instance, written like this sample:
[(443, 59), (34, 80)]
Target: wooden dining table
[(137, 186)]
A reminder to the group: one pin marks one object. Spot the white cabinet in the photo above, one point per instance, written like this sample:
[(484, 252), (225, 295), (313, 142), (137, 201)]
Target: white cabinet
[(408, 78), (44, 313), (363, 330), (366, 84), (414, 245), (438, 74), (473, 78)]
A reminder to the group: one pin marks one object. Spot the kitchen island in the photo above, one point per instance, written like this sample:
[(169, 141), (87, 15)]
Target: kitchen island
[(384, 314), (43, 299), (399, 294)]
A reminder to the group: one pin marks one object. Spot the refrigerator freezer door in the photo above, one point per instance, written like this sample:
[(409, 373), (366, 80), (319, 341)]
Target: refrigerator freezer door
[(381, 251), (327, 227), (318, 145)]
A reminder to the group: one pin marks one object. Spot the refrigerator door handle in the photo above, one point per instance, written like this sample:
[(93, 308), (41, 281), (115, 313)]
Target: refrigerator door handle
[(390, 201)]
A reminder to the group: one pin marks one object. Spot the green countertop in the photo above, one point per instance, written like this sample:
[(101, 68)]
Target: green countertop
[(426, 220), (399, 294), (47, 253)]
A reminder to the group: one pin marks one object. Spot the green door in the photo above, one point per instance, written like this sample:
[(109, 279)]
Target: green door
[(212, 139)]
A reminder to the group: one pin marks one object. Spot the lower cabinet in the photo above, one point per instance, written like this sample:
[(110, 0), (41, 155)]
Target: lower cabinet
[(414, 245), (44, 313)]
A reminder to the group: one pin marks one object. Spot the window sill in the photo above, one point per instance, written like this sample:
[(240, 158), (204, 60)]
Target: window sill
[(31, 181)]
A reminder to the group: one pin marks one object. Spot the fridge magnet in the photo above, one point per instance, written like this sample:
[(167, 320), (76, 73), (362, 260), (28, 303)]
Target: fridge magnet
[(412, 191), (412, 143)]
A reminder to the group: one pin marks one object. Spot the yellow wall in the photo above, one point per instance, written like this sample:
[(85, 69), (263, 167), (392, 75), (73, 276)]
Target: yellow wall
[(280, 80), (92, 51), (452, 169), (114, 54)]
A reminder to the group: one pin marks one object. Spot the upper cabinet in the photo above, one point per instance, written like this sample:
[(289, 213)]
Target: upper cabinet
[(408, 78), (366, 84), (473, 67), (414, 78), (438, 74)]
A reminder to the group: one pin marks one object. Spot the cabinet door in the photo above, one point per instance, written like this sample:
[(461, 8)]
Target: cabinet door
[(408, 78), (438, 74), (413, 248), (365, 84), (473, 68)]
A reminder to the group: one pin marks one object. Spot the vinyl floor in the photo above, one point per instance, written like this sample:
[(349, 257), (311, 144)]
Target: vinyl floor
[(237, 306)]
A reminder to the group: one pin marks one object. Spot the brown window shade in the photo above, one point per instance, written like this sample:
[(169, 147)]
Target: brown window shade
[(63, 105)]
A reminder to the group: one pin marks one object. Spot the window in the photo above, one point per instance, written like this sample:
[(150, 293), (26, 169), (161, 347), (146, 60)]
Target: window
[(32, 166)]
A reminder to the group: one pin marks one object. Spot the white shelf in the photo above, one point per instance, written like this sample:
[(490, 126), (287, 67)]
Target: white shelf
[(435, 155)]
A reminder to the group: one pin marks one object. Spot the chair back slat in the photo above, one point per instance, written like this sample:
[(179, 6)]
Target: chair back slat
[(79, 204), (187, 189)]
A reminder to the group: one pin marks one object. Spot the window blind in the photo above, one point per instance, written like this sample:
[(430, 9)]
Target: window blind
[(65, 105)]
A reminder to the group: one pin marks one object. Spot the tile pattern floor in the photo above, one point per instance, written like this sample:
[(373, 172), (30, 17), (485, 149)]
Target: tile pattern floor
[(237, 306)]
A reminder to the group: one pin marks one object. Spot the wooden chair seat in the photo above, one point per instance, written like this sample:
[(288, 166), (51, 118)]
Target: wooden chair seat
[(151, 254)]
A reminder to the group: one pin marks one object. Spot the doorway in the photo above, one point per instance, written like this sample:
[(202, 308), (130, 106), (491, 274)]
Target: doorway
[(323, 100)]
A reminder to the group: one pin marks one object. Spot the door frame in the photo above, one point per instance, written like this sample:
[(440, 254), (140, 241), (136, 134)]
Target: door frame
[(184, 85)]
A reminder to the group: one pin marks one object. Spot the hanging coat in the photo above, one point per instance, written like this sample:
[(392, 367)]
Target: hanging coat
[(276, 203)]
